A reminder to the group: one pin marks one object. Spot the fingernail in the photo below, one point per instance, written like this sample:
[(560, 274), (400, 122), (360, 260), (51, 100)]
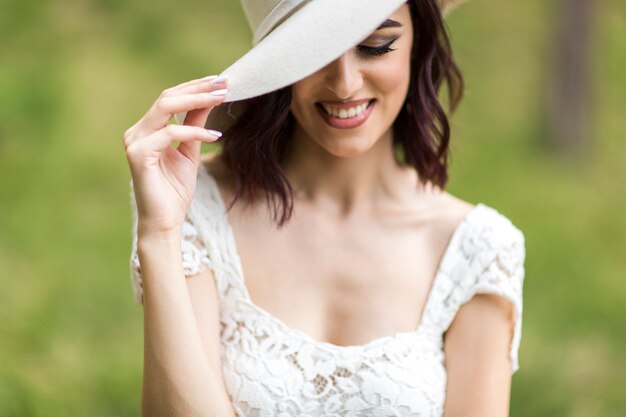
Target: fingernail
[(214, 133), (221, 92), (220, 80), (210, 77)]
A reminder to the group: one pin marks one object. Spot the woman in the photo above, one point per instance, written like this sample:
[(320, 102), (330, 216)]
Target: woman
[(368, 289)]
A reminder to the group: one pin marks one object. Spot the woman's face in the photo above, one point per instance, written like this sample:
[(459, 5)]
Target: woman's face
[(347, 106)]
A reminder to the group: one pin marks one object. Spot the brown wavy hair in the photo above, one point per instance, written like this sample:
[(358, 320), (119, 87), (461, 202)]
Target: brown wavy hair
[(257, 144)]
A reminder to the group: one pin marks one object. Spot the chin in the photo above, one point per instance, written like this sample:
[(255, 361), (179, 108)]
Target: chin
[(347, 147)]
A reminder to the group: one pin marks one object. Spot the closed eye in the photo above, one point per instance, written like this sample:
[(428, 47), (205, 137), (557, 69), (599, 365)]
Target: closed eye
[(377, 50)]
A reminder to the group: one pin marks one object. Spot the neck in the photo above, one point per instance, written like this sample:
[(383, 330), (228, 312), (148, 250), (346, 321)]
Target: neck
[(347, 185)]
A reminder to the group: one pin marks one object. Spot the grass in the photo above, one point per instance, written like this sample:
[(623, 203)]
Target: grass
[(75, 75)]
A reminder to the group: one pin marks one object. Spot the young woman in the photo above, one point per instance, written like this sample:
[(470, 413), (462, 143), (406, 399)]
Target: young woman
[(316, 266)]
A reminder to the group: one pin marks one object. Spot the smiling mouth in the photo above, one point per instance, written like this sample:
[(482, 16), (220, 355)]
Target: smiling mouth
[(345, 113), (349, 115)]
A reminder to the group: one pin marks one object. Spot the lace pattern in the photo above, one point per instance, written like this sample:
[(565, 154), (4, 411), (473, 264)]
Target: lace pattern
[(489, 259), (270, 369)]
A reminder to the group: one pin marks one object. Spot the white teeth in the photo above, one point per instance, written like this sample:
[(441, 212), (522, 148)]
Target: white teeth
[(345, 114)]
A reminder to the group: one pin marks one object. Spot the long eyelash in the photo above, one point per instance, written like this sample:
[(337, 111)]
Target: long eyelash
[(377, 51)]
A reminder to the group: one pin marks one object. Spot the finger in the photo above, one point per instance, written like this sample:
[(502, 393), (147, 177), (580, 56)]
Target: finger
[(202, 86), (160, 140), (190, 83), (198, 117), (191, 149), (165, 107)]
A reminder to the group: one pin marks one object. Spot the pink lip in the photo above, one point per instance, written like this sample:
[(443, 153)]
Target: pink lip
[(350, 123)]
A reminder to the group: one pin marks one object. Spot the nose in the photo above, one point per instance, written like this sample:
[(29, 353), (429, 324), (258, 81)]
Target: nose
[(344, 77)]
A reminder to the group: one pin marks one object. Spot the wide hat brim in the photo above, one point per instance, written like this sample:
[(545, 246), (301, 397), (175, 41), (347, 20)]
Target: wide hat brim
[(315, 35)]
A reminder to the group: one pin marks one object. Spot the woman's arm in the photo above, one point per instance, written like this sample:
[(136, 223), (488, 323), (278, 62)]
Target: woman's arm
[(178, 377), (477, 358)]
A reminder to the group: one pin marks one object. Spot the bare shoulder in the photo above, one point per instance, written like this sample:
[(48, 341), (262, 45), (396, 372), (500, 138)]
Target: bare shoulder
[(452, 210), (458, 205)]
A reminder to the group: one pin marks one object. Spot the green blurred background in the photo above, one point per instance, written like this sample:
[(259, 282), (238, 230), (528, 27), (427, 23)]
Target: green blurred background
[(74, 75)]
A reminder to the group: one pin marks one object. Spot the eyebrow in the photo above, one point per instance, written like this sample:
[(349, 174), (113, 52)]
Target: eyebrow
[(390, 24)]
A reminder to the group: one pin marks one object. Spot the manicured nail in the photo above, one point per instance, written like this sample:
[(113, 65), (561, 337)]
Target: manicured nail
[(210, 77), (221, 92), (214, 133), (220, 80)]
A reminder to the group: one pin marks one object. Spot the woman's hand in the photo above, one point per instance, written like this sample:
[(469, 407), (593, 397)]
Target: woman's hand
[(164, 177)]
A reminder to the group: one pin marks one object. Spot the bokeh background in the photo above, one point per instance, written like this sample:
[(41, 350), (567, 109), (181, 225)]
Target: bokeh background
[(540, 136)]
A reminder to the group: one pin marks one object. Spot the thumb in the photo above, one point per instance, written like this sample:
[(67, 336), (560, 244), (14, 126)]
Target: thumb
[(191, 149)]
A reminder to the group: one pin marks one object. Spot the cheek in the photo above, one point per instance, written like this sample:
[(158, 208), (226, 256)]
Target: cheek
[(393, 78), (299, 93), (393, 74)]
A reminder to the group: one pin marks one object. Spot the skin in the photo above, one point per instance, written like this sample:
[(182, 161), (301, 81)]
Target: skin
[(181, 374), (388, 232), (353, 169)]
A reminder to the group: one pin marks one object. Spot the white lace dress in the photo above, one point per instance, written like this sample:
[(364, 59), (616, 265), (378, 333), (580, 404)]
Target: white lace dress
[(271, 369)]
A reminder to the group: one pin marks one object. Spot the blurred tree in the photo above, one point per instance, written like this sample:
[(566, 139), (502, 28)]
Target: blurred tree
[(570, 105)]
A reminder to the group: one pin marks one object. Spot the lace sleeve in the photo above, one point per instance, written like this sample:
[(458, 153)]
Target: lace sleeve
[(505, 276), (194, 254), (495, 254)]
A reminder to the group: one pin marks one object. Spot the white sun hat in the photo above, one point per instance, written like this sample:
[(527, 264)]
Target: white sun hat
[(293, 39)]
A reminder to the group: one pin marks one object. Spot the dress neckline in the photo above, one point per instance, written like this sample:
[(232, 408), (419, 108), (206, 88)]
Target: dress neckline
[(440, 275)]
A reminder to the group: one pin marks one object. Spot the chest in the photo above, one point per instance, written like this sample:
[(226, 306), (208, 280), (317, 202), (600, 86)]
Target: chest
[(342, 283)]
